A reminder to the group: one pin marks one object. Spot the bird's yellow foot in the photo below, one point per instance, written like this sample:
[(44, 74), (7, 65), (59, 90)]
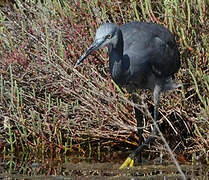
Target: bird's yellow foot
[(129, 162)]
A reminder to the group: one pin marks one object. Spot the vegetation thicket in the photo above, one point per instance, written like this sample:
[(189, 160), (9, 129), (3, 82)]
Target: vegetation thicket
[(47, 106)]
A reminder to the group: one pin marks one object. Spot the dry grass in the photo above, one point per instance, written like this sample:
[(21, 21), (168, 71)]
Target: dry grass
[(47, 106)]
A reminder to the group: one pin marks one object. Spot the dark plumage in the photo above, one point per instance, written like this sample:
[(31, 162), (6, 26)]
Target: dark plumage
[(141, 56)]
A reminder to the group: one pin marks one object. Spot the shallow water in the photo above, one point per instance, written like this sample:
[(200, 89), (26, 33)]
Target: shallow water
[(75, 167)]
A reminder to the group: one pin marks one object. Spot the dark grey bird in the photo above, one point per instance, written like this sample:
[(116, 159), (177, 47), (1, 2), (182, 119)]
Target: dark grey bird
[(141, 56)]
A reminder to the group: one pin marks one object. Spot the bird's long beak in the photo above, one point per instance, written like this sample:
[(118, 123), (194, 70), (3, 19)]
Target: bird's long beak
[(94, 46)]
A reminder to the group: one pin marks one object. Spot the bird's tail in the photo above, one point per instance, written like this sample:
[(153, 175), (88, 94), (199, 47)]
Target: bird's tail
[(170, 84)]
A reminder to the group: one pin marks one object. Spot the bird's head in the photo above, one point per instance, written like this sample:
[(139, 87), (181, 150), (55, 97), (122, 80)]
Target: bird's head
[(105, 35)]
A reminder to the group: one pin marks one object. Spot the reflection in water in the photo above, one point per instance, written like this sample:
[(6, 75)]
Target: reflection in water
[(75, 167)]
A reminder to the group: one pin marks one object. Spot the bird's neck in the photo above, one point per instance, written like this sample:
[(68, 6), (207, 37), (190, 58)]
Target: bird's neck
[(116, 57)]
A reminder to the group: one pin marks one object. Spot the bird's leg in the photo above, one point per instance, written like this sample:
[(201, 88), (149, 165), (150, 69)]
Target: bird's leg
[(129, 161), (139, 119), (156, 95)]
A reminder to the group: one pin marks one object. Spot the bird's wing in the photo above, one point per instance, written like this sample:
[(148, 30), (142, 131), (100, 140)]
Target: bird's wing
[(163, 57), (150, 47)]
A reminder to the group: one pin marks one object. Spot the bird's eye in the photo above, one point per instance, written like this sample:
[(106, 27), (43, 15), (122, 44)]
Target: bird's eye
[(109, 36)]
